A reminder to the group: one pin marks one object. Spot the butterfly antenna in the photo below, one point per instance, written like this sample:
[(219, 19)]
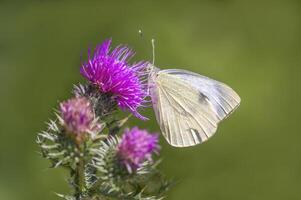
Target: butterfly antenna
[(153, 46), (140, 33)]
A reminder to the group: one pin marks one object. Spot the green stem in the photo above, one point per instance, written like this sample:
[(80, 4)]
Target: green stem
[(79, 179)]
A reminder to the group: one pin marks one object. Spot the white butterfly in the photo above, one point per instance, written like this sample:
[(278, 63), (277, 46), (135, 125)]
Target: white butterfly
[(189, 106)]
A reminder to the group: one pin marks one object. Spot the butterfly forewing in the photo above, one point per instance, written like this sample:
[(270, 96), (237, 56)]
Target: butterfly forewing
[(223, 98), (188, 106)]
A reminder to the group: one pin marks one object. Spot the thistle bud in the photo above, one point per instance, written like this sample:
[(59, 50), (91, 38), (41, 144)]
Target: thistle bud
[(77, 117), (137, 146)]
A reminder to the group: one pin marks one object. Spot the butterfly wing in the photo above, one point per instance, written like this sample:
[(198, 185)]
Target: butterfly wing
[(189, 106), (223, 98)]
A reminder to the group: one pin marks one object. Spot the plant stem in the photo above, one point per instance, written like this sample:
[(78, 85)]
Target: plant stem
[(79, 179)]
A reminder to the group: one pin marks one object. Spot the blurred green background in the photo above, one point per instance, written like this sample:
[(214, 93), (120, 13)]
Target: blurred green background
[(254, 46)]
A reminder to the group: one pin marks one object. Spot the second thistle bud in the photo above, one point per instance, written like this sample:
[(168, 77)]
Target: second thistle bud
[(77, 117), (136, 146)]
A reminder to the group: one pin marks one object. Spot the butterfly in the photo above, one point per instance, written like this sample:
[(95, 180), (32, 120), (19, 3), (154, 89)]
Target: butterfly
[(189, 106)]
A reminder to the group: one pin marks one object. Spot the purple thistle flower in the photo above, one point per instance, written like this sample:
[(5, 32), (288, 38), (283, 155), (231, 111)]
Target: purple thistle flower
[(136, 146), (77, 117), (112, 73)]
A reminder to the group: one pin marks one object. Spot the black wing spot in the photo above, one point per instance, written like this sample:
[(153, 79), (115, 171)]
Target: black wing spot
[(196, 133), (203, 98)]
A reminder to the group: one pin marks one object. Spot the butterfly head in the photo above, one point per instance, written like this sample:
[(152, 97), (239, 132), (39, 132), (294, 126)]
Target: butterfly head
[(152, 71)]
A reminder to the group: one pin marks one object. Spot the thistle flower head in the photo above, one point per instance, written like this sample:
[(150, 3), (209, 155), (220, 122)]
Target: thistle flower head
[(112, 73), (77, 116), (136, 146)]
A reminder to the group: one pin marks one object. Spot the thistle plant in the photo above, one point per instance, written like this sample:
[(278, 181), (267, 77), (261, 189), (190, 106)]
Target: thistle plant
[(87, 137)]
